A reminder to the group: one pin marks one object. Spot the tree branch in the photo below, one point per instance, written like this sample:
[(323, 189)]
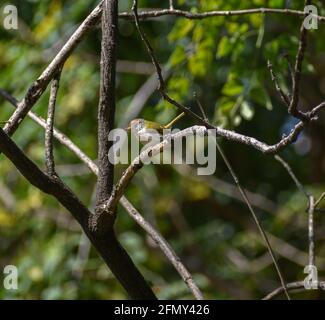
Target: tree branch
[(209, 14), (293, 107), (293, 286), (230, 135), (163, 244), (138, 162), (39, 86), (161, 88), (283, 96), (311, 236), (106, 112), (292, 175), (106, 244), (165, 247), (50, 164)]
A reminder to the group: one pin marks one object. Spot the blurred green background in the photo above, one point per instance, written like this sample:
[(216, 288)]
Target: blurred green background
[(224, 61)]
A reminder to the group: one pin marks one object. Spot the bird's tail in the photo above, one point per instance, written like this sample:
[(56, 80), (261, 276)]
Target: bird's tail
[(167, 126)]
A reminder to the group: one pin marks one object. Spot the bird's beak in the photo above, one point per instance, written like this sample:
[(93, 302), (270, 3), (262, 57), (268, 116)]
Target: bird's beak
[(128, 128)]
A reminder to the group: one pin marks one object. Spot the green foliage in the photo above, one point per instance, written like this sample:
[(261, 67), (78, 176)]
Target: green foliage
[(224, 61)]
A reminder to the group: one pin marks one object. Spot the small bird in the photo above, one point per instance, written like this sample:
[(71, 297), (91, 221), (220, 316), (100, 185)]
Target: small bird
[(145, 128)]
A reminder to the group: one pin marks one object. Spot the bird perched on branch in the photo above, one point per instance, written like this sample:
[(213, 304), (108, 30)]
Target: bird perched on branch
[(145, 128)]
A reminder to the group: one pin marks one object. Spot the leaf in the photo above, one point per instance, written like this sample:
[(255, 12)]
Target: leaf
[(232, 88), (181, 29), (224, 47), (178, 56), (246, 110), (261, 97)]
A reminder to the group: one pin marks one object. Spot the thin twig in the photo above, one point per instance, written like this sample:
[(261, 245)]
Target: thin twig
[(293, 286), (259, 225), (320, 200), (283, 96), (291, 253), (311, 209), (148, 45), (201, 108), (290, 68), (141, 97), (311, 236), (293, 107), (49, 157), (165, 247), (56, 133), (209, 14), (292, 175)]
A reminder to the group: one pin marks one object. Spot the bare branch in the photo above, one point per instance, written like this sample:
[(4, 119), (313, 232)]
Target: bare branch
[(139, 161), (289, 252), (311, 236), (283, 96), (165, 247), (161, 88), (50, 164), (49, 185), (106, 111), (293, 107), (39, 86), (311, 209), (107, 245), (57, 134), (37, 89), (234, 136), (293, 286), (290, 68), (141, 97), (107, 197), (125, 203), (230, 135), (317, 203), (293, 176), (148, 45), (203, 15), (205, 118), (252, 211)]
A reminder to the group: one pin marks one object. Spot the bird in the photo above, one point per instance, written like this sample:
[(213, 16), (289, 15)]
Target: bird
[(144, 128)]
